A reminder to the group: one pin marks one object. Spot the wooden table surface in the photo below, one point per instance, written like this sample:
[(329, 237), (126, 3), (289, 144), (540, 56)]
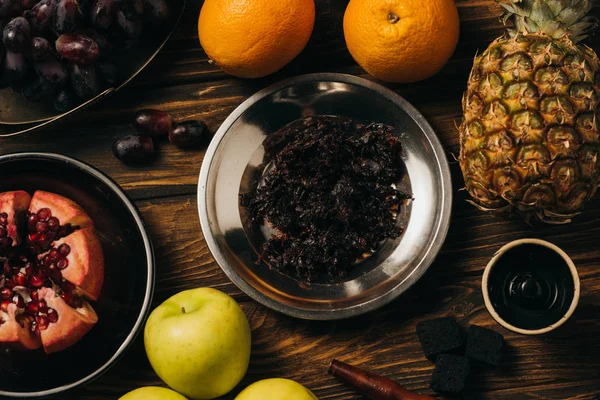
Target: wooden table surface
[(564, 364)]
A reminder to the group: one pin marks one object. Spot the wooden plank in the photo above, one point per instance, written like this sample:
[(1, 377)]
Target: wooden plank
[(180, 80), (562, 363)]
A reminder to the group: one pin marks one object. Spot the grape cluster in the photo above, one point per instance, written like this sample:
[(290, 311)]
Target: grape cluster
[(65, 50), (152, 123)]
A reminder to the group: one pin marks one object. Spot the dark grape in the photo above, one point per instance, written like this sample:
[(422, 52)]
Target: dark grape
[(17, 35), (84, 80), (52, 71), (131, 9), (105, 46), (131, 29), (38, 89), (65, 100), (156, 12), (134, 149), (102, 14), (41, 16), (77, 48), (15, 68), (153, 122), (188, 133), (66, 16), (40, 49), (10, 8), (28, 4), (108, 72)]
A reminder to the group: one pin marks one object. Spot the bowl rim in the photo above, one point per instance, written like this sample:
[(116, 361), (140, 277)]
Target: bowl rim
[(494, 260), (440, 229), (151, 267)]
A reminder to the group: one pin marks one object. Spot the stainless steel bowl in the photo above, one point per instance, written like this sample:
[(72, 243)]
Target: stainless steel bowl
[(236, 152)]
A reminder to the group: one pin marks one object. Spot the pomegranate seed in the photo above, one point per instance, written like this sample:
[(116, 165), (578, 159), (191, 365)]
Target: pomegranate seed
[(5, 293), (33, 236), (54, 254), (32, 308), (36, 281), (7, 270), (42, 226), (18, 300), (4, 305), (52, 315), (21, 279), (64, 249), (34, 295), (42, 322), (3, 218), (9, 283), (62, 264), (44, 214), (53, 224), (42, 306), (32, 219), (2, 231), (29, 269), (67, 297)]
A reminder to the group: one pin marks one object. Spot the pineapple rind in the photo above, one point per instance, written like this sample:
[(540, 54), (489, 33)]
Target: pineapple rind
[(529, 137)]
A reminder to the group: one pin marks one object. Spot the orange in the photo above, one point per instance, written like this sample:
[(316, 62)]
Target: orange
[(401, 40), (254, 38)]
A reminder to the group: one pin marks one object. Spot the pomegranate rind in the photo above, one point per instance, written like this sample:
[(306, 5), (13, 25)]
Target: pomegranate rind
[(13, 204), (71, 326), (66, 210), (86, 262), (15, 336)]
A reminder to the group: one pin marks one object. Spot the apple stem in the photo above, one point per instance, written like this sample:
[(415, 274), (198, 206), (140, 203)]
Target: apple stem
[(183, 309)]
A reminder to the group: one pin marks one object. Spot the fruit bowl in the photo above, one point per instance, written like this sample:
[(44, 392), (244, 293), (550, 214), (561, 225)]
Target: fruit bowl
[(124, 301), (18, 115), (232, 165)]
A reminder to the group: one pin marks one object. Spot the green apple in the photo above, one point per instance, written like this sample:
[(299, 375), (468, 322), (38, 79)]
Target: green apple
[(276, 389), (152, 393), (198, 342)]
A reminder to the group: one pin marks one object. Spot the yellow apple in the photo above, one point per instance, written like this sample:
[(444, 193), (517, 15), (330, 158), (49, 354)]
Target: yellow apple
[(198, 342), (276, 389), (152, 393)]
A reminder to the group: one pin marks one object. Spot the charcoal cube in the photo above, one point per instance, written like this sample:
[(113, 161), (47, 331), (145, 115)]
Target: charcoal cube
[(440, 335), (450, 373), (485, 345)]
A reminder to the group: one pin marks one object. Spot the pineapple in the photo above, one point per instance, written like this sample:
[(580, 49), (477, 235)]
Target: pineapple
[(529, 138)]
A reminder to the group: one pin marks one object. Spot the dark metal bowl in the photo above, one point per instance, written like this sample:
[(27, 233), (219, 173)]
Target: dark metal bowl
[(17, 115), (129, 276), (232, 166)]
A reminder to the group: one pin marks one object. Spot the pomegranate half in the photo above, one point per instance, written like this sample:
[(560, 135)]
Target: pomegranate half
[(51, 263)]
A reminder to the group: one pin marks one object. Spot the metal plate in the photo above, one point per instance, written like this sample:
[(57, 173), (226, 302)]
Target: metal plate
[(16, 110), (237, 149)]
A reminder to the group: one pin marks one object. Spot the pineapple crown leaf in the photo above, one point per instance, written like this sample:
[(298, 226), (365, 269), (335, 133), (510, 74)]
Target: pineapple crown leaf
[(557, 18)]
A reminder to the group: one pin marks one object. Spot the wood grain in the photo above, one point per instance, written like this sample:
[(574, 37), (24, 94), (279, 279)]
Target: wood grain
[(564, 364)]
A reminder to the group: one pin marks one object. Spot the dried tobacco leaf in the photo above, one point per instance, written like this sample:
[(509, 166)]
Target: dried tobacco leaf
[(329, 192)]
